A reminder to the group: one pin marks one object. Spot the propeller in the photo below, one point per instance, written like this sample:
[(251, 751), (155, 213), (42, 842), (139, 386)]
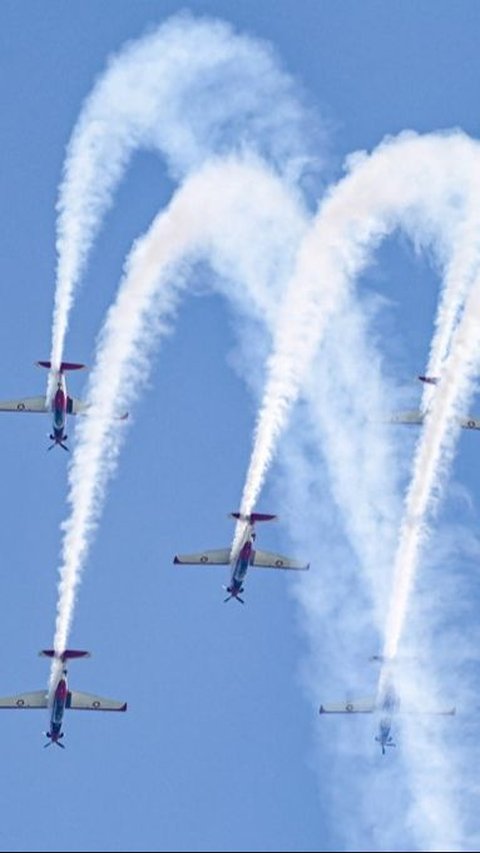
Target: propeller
[(53, 740), (237, 597), (61, 445)]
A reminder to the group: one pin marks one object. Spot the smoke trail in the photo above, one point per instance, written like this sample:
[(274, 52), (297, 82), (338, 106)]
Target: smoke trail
[(433, 457), (416, 183), (157, 93), (241, 217), (459, 275), (427, 187)]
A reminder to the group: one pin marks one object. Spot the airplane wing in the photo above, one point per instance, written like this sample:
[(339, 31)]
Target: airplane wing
[(37, 699), (433, 712), (350, 706), (406, 418), (469, 423), (25, 404), (267, 560), (88, 702), (220, 557), (418, 418), (76, 406), (79, 407)]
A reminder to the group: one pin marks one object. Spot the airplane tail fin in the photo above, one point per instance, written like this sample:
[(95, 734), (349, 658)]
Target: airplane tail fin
[(253, 517), (65, 365), (68, 654)]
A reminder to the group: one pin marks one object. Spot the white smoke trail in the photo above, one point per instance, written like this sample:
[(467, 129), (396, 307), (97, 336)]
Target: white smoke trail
[(157, 93), (459, 275), (433, 457), (417, 183), (427, 186), (241, 217)]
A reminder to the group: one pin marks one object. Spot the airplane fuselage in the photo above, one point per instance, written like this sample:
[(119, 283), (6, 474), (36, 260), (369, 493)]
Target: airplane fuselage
[(59, 409), (388, 706), (59, 704), (60, 406), (241, 563)]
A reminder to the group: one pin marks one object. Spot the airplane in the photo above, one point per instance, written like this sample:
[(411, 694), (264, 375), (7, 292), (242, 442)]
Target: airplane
[(61, 697), (59, 405), (247, 555), (386, 704), (418, 417)]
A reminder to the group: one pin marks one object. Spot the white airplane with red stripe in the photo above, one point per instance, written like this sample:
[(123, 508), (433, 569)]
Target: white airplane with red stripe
[(61, 697), (59, 404), (385, 705), (246, 555)]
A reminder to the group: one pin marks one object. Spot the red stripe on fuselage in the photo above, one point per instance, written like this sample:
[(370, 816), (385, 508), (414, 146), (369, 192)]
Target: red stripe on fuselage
[(61, 691), (59, 401), (59, 409), (58, 708)]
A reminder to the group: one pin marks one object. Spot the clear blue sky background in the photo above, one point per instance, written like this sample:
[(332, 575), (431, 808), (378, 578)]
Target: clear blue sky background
[(217, 750)]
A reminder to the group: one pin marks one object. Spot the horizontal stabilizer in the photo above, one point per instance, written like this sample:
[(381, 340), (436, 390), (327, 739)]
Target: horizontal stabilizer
[(430, 380), (220, 557), (268, 560), (68, 654), (253, 517), (65, 365)]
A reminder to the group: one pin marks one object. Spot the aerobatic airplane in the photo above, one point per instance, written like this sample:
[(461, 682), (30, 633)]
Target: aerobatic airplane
[(59, 405), (246, 555), (386, 704), (418, 417), (60, 697)]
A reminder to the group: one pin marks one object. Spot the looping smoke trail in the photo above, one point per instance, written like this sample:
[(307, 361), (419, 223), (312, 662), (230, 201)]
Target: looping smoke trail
[(428, 187), (232, 210), (156, 93), (413, 182), (459, 275)]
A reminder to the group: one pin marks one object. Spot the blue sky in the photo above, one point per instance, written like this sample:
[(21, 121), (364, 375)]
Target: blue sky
[(221, 747)]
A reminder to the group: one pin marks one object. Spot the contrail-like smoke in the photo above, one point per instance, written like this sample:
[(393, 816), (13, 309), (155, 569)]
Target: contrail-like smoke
[(459, 275), (242, 218), (416, 183), (157, 93), (427, 187), (433, 457)]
